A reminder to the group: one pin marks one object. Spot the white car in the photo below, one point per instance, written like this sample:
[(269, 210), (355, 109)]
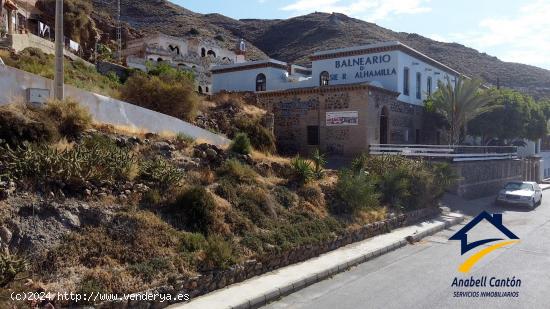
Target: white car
[(522, 193)]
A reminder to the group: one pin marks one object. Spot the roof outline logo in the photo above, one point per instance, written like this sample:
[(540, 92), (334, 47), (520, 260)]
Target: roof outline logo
[(462, 235)]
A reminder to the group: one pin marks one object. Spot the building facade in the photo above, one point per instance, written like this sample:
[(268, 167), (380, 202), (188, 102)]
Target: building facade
[(349, 99), (193, 54)]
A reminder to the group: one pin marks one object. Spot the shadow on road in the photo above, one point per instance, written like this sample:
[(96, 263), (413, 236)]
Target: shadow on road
[(474, 207)]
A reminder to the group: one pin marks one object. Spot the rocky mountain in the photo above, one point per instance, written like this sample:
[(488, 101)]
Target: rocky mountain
[(294, 39)]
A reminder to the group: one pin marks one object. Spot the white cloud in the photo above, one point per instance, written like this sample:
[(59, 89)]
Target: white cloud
[(523, 38), (370, 10)]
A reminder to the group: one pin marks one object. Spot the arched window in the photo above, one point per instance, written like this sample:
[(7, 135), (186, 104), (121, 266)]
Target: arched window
[(203, 52), (159, 59), (207, 90), (261, 82), (324, 78), (200, 89), (211, 53)]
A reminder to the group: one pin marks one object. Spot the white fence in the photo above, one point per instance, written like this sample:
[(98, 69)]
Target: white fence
[(456, 153)]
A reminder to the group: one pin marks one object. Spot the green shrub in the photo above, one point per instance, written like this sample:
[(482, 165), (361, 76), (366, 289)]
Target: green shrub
[(152, 197), (298, 229), (171, 93), (228, 190), (241, 144), (238, 171), (219, 253), (355, 192), (184, 138), (191, 242), (445, 175), (395, 188), (193, 210), (160, 173), (319, 162), (150, 269), (260, 137), (72, 118), (257, 205), (302, 170), (10, 267), (285, 197)]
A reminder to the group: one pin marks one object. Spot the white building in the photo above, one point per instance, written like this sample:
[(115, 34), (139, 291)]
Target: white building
[(390, 65), (197, 55)]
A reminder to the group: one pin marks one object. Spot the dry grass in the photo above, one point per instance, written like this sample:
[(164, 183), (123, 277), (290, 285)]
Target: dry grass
[(260, 156)]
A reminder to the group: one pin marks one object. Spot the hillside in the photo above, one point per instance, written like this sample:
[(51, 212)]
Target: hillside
[(294, 39), (166, 17)]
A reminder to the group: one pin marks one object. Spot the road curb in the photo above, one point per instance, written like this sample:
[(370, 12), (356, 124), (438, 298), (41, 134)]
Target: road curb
[(292, 287)]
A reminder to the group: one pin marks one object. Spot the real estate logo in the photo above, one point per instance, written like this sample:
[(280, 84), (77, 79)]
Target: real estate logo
[(462, 235)]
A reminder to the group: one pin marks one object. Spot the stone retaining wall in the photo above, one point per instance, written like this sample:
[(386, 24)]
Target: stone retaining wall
[(484, 178), (208, 282)]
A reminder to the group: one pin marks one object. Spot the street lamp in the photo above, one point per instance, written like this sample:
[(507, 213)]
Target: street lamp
[(59, 46)]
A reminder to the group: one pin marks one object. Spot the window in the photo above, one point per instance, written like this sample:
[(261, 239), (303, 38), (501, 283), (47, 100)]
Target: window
[(406, 81), (419, 85), (324, 78), (261, 82), (313, 135), (429, 86), (203, 52)]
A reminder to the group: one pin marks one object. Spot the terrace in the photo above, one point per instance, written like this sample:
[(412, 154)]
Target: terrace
[(454, 153)]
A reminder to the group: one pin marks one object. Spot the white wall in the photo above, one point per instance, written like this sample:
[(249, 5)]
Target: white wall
[(426, 70), (361, 68), (246, 80), (14, 83)]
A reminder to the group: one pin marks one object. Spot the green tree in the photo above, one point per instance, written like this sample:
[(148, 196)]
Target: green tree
[(514, 115), (460, 103)]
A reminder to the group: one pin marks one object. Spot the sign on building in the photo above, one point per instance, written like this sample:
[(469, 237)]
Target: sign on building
[(348, 118)]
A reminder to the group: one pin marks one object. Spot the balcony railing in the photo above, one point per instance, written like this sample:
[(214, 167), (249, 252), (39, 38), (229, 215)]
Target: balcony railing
[(455, 153)]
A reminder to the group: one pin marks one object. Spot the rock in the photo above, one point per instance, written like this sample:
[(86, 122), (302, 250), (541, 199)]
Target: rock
[(127, 192), (135, 140), (5, 235), (211, 154), (199, 154), (88, 192), (151, 135), (69, 219)]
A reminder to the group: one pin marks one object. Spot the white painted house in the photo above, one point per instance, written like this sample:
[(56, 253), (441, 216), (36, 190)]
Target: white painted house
[(390, 65)]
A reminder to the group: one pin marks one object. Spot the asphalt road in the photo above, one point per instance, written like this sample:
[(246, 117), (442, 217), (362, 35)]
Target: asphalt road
[(420, 275)]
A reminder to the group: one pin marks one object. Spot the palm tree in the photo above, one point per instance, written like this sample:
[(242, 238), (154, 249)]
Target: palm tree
[(460, 103)]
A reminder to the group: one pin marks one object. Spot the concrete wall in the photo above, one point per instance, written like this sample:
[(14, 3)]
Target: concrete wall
[(485, 178), (21, 41), (14, 83)]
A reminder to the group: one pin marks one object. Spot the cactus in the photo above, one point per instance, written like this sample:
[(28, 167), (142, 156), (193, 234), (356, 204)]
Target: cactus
[(91, 160), (160, 173)]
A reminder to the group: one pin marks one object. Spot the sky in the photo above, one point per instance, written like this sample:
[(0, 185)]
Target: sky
[(512, 30)]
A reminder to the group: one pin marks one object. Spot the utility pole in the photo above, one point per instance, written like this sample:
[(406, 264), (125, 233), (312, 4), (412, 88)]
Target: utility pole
[(119, 33), (59, 92)]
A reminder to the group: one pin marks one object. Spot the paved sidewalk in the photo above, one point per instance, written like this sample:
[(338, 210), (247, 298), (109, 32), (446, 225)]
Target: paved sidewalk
[(257, 291)]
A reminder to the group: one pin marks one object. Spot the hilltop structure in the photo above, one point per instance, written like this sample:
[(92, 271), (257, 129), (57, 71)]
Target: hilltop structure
[(194, 54), (349, 99)]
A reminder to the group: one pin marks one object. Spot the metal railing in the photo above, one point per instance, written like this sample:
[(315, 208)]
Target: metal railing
[(456, 153)]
